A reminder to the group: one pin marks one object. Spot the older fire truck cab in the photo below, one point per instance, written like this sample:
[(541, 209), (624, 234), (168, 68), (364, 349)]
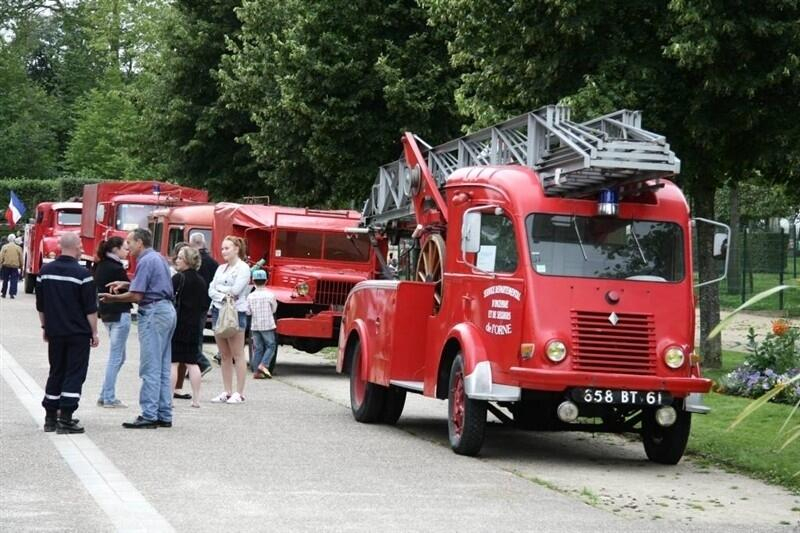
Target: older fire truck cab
[(114, 208), (554, 295), (171, 225), (311, 260), (52, 219)]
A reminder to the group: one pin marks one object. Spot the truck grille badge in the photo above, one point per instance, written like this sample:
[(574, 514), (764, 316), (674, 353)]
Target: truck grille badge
[(613, 318)]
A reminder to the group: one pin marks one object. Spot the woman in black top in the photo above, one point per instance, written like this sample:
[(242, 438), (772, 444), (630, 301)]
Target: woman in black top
[(190, 302), (116, 316)]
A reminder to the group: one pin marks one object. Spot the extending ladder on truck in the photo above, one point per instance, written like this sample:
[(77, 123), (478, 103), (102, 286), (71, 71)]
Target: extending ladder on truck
[(571, 160)]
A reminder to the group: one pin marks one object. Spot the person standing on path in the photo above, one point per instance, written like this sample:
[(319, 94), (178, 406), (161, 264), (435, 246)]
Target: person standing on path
[(66, 300), (151, 288), (232, 279), (208, 267), (115, 316), (262, 305), (10, 265), (190, 301)]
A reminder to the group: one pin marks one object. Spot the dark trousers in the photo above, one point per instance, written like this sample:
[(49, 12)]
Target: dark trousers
[(10, 276), (69, 361)]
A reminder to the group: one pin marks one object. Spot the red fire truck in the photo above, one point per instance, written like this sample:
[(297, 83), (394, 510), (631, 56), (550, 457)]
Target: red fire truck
[(171, 225), (117, 207), (312, 264), (553, 286), (41, 236)]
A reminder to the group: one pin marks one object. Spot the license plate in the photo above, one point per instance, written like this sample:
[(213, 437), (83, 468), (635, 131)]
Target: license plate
[(621, 397)]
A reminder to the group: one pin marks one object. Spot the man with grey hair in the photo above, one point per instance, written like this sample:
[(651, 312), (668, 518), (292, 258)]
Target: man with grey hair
[(208, 267), (10, 265), (67, 305), (151, 288)]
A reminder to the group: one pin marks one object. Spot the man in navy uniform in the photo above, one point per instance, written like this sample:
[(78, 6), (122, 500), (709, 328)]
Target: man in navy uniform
[(67, 304)]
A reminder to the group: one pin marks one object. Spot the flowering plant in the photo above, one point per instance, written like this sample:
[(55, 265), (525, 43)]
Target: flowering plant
[(751, 383), (778, 351)]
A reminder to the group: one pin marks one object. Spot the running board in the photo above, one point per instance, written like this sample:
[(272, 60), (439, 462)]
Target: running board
[(416, 386)]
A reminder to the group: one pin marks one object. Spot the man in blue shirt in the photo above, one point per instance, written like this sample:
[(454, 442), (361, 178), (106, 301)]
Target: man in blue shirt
[(65, 299), (151, 288)]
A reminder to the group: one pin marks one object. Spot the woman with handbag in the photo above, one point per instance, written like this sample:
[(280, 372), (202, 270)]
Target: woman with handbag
[(228, 292), (190, 305), (116, 316)]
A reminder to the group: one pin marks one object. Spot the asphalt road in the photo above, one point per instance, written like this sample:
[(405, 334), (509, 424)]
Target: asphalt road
[(291, 458)]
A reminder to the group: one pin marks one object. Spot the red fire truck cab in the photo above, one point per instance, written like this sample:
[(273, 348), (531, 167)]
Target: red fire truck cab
[(311, 260), (117, 207), (41, 236), (171, 225), (553, 290)]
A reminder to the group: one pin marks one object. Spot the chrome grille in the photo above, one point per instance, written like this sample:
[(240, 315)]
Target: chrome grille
[(332, 292), (629, 347)]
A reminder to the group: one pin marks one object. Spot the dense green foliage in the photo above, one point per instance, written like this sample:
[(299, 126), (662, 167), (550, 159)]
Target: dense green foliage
[(32, 191)]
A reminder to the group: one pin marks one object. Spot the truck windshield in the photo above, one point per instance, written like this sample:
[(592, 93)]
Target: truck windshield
[(69, 218), (310, 245), (132, 216), (598, 247)]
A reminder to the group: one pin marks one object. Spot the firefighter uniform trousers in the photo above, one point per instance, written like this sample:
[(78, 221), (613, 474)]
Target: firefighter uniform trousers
[(69, 362)]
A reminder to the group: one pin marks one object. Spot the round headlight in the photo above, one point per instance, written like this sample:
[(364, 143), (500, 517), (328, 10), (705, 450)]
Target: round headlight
[(51, 255), (556, 351), (674, 357), (301, 288)]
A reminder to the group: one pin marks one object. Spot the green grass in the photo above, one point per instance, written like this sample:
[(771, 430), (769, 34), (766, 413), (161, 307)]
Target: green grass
[(762, 282), (751, 447)]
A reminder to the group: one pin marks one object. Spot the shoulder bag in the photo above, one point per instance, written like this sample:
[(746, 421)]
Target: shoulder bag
[(228, 320)]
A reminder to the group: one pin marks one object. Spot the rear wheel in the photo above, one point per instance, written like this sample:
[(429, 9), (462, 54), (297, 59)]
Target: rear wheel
[(466, 422), (666, 445), (366, 399), (393, 406), (30, 283)]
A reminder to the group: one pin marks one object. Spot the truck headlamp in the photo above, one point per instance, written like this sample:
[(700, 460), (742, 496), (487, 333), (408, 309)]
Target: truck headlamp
[(674, 357), (556, 351), (51, 255), (301, 289)]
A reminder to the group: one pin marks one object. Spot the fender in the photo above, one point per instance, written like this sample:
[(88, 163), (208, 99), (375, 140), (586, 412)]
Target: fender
[(478, 382), (360, 328)]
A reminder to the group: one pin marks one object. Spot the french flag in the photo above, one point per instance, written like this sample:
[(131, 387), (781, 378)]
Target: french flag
[(15, 210)]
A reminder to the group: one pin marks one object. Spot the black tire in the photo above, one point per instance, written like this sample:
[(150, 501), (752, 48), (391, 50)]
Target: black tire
[(366, 399), (393, 405), (30, 283), (466, 429), (666, 445)]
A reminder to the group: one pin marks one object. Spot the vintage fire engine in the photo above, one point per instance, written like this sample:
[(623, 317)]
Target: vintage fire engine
[(312, 262), (117, 207), (553, 286), (171, 225), (41, 236)]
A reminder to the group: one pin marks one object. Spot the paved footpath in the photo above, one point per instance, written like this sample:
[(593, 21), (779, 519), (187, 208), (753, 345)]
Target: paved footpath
[(291, 458)]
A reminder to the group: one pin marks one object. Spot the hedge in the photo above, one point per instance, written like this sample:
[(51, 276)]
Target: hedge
[(34, 191)]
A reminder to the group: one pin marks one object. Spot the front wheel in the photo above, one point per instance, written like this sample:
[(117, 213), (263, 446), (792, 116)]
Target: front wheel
[(466, 422), (393, 405), (30, 283), (665, 445), (366, 399)]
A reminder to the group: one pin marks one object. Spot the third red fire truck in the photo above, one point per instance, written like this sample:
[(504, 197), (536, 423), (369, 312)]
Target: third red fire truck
[(553, 285)]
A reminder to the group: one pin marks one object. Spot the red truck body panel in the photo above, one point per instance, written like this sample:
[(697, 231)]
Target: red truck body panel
[(52, 219)]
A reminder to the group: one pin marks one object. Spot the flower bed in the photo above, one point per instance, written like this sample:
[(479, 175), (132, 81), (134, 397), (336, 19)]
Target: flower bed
[(768, 363)]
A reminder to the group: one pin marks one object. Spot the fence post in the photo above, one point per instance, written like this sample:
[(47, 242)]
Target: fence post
[(744, 263), (783, 267)]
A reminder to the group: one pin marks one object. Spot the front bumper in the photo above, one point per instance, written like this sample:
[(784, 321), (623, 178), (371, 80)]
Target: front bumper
[(557, 380), (319, 326)]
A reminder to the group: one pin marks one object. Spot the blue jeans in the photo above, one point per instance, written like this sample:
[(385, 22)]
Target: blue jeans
[(118, 336), (156, 325), (10, 276), (264, 348)]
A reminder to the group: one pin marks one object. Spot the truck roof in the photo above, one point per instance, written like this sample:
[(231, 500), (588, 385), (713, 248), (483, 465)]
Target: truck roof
[(59, 206), (227, 215), (182, 214), (660, 199)]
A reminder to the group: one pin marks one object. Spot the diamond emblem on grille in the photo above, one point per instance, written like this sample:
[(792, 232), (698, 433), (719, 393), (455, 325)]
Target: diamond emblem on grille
[(613, 318)]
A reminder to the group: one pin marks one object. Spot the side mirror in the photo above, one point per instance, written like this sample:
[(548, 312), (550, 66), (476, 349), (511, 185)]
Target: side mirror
[(471, 232), (724, 239), (720, 245)]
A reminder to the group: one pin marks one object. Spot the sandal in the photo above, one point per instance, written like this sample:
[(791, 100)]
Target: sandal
[(196, 405), (264, 372)]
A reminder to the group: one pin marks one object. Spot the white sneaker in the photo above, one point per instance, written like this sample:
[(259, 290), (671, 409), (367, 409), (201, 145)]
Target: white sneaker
[(222, 398), (235, 398)]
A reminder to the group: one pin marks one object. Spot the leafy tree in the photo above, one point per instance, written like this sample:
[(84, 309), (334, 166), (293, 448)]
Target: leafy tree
[(715, 78), (330, 86), (28, 142), (193, 132)]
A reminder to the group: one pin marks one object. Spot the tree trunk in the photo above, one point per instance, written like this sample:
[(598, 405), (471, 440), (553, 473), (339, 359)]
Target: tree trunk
[(734, 270), (710, 350)]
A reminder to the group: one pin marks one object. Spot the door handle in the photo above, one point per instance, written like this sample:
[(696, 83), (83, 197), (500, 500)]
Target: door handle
[(378, 322)]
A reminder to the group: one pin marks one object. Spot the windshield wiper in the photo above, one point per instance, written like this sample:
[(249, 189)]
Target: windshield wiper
[(578, 233), (636, 240)]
